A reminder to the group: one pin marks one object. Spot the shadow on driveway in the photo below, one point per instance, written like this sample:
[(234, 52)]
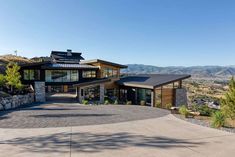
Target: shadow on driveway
[(69, 115), (91, 143)]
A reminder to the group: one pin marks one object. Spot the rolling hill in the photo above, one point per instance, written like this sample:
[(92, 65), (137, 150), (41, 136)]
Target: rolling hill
[(5, 59), (195, 71)]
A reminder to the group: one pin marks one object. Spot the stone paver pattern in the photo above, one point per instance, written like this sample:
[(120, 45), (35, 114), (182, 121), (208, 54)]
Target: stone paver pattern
[(73, 114)]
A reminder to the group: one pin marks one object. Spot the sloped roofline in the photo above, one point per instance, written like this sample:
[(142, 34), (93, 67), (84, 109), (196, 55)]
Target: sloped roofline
[(102, 61)]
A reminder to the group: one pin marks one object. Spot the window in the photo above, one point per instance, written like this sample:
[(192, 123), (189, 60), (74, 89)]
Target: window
[(109, 72), (61, 75), (89, 74), (92, 93), (31, 74), (74, 75)]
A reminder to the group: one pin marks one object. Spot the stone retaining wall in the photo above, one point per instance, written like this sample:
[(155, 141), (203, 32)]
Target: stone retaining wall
[(12, 102)]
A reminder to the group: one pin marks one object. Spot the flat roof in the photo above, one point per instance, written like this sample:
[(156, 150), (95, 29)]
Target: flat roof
[(150, 81), (102, 61)]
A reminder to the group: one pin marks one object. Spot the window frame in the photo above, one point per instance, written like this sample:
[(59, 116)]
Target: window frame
[(32, 74)]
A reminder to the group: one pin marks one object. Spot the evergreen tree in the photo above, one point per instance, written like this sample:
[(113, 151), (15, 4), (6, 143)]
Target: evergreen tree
[(228, 102), (13, 76)]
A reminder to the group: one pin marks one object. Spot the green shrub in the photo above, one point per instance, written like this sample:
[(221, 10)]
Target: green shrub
[(96, 102), (106, 102), (194, 107), (184, 111), (159, 105), (218, 119), (168, 106), (142, 103), (129, 103), (115, 102), (2, 80), (205, 110), (85, 102), (228, 102)]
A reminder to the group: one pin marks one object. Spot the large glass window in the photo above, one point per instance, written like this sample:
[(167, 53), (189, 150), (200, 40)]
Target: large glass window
[(89, 74), (74, 75), (61, 75), (31, 74), (109, 72)]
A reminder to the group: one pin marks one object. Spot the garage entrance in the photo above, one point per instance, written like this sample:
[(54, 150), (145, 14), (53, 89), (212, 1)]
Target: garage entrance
[(61, 93)]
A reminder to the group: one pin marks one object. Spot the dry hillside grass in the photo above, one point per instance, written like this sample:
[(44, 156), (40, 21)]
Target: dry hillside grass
[(5, 59)]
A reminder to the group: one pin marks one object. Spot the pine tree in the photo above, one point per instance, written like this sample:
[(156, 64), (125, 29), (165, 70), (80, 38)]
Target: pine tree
[(13, 76), (228, 102)]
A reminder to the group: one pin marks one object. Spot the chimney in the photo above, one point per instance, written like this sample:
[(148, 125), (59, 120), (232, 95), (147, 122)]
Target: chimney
[(69, 52)]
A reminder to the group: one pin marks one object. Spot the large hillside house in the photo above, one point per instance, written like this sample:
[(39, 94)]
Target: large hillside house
[(97, 80)]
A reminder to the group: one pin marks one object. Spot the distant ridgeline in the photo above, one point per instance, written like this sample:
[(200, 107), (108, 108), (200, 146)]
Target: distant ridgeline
[(195, 71)]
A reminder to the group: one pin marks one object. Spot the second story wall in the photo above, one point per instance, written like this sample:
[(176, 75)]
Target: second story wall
[(107, 71)]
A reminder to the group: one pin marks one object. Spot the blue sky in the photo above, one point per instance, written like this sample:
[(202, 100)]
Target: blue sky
[(153, 32)]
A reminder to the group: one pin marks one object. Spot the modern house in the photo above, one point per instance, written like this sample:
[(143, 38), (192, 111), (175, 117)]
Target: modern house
[(97, 80)]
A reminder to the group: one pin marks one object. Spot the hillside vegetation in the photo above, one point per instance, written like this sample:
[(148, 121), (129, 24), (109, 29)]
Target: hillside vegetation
[(5, 59)]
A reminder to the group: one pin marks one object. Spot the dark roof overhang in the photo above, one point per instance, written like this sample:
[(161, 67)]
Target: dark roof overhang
[(150, 81), (92, 82)]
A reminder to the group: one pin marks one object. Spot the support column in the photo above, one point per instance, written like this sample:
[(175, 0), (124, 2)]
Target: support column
[(153, 98), (40, 93), (77, 93), (136, 96), (101, 93)]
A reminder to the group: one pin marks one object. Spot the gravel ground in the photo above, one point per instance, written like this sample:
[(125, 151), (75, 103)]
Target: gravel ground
[(73, 114), (203, 123)]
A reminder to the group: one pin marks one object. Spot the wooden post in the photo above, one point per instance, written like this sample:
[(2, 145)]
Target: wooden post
[(153, 98), (180, 83)]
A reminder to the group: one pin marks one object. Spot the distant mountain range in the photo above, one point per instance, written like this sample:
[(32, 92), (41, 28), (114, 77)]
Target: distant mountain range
[(222, 72), (195, 71)]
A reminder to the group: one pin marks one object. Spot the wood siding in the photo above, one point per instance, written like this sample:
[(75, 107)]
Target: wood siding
[(167, 96)]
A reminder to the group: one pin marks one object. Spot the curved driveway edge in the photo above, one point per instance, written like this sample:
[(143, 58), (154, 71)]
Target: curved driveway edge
[(162, 137), (51, 115)]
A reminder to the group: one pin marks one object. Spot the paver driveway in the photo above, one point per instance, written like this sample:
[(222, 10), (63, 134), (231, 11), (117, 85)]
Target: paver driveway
[(162, 136), (65, 114)]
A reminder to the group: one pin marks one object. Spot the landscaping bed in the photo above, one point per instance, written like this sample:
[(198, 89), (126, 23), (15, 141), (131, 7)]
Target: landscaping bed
[(205, 121)]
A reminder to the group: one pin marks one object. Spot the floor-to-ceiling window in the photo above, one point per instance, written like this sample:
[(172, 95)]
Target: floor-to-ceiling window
[(61, 75), (144, 95)]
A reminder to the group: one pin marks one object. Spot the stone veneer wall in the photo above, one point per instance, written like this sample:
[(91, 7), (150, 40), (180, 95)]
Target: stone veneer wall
[(101, 93), (15, 101), (181, 97), (40, 93)]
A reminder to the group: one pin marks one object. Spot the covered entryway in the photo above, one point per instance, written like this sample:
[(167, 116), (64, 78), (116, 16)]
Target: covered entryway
[(60, 93), (92, 91), (61, 97)]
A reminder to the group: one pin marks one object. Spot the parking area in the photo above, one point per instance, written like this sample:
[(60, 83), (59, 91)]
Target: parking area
[(51, 114)]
